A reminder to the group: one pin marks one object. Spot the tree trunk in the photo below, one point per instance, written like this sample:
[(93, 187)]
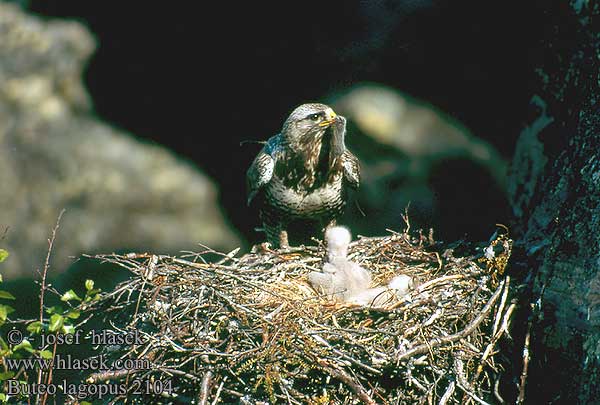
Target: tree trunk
[(555, 195)]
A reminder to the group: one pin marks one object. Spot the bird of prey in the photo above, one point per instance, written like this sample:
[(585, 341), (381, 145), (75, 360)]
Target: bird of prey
[(303, 173)]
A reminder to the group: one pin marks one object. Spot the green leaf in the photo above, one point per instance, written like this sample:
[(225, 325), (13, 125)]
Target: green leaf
[(45, 354), (7, 375), (4, 311), (70, 295), (23, 345), (3, 344), (91, 295), (89, 284), (74, 314), (7, 295), (35, 327), (68, 329), (56, 321), (3, 255), (55, 309)]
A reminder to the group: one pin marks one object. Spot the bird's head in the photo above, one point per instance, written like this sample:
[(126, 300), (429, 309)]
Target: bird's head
[(338, 238), (308, 123)]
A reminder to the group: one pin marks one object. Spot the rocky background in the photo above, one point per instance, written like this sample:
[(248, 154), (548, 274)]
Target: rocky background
[(118, 192)]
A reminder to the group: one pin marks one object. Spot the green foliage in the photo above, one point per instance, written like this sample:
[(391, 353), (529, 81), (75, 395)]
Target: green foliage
[(35, 327), (70, 296), (59, 319), (6, 295), (5, 350), (4, 309), (3, 256), (56, 322)]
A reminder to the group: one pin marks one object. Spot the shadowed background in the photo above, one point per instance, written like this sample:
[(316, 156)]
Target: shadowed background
[(199, 81), (202, 79)]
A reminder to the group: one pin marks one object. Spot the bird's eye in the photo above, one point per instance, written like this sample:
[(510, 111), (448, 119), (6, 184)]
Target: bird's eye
[(314, 117)]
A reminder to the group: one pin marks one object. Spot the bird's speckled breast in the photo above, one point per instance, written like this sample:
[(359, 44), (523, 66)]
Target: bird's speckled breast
[(325, 200)]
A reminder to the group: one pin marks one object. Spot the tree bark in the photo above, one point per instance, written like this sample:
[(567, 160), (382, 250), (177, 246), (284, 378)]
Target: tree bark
[(554, 190)]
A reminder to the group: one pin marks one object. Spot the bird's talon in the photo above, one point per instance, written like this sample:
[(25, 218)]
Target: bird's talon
[(283, 240), (284, 249), (264, 247)]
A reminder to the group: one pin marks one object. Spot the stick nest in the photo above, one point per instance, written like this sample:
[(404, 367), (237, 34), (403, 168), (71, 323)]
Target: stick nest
[(251, 330)]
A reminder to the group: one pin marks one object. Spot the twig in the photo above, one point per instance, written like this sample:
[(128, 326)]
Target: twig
[(109, 375), (49, 376), (472, 395), (448, 393), (229, 256), (205, 388), (43, 287), (501, 307), (526, 358), (497, 392), (47, 264), (181, 373), (405, 218), (462, 382), (323, 342), (494, 340), (424, 348), (439, 280), (341, 375), (218, 393)]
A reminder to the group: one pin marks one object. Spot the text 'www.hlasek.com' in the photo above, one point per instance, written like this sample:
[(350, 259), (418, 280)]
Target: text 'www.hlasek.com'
[(99, 365)]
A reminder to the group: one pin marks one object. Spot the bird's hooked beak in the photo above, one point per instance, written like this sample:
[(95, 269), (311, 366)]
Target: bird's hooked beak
[(331, 116)]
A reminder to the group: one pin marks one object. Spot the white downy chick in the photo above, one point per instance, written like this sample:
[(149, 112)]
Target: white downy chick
[(401, 284), (340, 278), (398, 287), (347, 281)]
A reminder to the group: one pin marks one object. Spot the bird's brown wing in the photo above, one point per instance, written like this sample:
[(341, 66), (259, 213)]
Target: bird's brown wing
[(351, 169), (259, 173)]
